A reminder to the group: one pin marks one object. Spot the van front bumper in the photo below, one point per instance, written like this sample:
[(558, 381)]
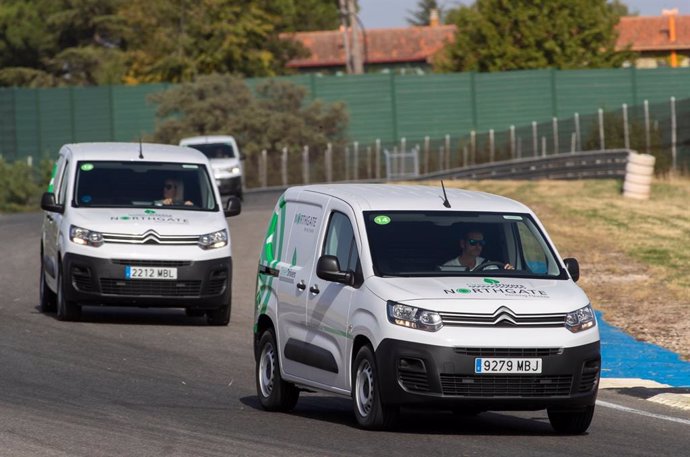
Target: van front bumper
[(199, 285), (413, 374), (230, 186)]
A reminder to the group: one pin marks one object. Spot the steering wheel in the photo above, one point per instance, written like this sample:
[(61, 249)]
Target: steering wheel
[(484, 265)]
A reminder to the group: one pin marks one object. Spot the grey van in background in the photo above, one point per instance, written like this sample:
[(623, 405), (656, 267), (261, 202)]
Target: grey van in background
[(226, 161)]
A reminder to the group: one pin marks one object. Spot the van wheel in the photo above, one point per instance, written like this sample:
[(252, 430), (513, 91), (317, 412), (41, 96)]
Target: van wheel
[(220, 316), (67, 310), (47, 298), (571, 422), (274, 393), (370, 412)]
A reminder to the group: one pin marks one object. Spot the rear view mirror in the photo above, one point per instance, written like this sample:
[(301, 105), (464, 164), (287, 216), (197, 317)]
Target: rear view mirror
[(328, 268), (48, 203), (233, 207), (573, 268)]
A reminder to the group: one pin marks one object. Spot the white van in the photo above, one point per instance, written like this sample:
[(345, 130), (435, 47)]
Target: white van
[(138, 225), (361, 292), (226, 160)]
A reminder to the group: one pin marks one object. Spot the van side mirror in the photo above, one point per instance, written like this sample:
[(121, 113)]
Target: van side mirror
[(328, 268), (233, 207), (573, 268), (48, 203)]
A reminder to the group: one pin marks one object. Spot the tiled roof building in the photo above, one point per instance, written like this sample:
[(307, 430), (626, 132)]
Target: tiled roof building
[(658, 40), (413, 47)]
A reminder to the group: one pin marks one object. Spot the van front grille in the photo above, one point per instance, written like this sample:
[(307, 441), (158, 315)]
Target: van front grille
[(151, 287), (506, 386), (508, 352)]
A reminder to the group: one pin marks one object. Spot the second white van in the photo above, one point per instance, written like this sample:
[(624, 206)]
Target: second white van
[(414, 296)]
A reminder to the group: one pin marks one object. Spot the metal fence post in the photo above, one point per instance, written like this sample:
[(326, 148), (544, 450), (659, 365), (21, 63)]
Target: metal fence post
[(578, 138), (626, 129), (646, 125), (512, 141), (602, 138), (473, 146), (556, 149), (535, 144), (355, 166), (262, 168), (543, 146), (305, 165), (347, 162), (426, 154), (673, 134), (283, 166), (329, 162), (447, 152), (491, 145), (378, 158), (368, 162)]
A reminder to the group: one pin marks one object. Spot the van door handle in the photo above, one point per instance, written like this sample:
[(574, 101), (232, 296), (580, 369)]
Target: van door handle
[(301, 285), (314, 289)]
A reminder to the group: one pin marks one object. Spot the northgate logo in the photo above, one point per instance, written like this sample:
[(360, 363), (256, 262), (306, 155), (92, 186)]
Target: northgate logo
[(304, 219), (494, 287)]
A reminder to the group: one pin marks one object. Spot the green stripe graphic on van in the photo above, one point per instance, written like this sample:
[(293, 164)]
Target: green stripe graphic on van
[(270, 255)]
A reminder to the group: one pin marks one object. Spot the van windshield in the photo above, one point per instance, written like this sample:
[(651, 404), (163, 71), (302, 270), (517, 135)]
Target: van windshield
[(215, 150), (441, 243), (104, 184)]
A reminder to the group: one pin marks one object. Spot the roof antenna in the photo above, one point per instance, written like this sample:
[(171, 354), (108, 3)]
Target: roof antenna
[(446, 203), (141, 149)]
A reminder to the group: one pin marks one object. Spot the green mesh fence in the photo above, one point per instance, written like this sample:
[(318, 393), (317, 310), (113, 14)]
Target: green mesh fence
[(388, 107)]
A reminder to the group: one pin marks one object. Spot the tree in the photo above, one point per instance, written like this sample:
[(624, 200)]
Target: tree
[(91, 42), (500, 35), (422, 16), (277, 116)]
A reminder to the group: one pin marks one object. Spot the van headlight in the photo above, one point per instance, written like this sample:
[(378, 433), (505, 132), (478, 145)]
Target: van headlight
[(85, 237), (580, 320), (413, 317), (214, 240)]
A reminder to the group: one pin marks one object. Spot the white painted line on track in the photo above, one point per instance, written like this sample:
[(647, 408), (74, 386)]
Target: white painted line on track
[(606, 404)]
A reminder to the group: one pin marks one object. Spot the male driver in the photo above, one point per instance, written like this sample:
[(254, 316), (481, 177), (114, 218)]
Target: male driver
[(470, 249)]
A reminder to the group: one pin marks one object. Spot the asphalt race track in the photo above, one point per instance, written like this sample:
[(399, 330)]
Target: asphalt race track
[(146, 382)]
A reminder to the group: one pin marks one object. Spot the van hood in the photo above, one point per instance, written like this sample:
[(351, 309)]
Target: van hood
[(481, 293), (138, 220)]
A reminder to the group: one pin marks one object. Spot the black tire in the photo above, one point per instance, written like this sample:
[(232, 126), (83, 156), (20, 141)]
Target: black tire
[(370, 412), (67, 310), (47, 298), (574, 422), (274, 393)]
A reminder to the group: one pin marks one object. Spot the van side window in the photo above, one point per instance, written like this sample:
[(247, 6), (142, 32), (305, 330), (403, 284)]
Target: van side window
[(340, 242), (60, 197)]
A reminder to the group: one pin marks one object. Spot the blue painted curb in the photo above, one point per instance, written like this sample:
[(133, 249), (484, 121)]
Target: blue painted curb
[(625, 357)]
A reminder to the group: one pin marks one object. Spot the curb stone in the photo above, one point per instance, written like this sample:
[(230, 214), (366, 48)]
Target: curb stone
[(675, 397)]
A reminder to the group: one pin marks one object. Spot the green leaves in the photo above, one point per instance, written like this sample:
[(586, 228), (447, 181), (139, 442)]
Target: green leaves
[(500, 35), (88, 42), (278, 116)]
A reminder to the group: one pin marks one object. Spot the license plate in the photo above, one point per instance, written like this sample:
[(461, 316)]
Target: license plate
[(506, 365), (150, 273)]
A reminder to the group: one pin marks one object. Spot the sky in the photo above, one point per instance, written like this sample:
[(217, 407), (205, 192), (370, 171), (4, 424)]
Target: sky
[(376, 14)]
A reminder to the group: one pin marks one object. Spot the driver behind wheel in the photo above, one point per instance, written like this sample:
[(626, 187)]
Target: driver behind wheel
[(470, 249)]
